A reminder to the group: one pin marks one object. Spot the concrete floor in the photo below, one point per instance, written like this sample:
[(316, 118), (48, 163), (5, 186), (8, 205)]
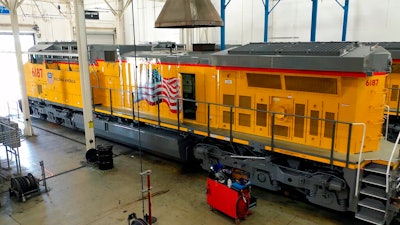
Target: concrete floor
[(81, 194)]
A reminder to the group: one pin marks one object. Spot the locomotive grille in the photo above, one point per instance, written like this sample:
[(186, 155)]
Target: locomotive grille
[(244, 119), (245, 102), (281, 130), (314, 122), (264, 80), (329, 125), (300, 48), (229, 100), (227, 117), (261, 116), (299, 121), (311, 84)]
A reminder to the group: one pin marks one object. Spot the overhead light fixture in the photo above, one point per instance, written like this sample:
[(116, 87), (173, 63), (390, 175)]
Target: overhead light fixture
[(188, 14)]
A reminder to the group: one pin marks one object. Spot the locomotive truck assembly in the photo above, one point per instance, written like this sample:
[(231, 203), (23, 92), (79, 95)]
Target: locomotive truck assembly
[(307, 116)]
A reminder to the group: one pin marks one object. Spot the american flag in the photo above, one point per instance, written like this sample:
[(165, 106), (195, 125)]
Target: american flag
[(159, 89)]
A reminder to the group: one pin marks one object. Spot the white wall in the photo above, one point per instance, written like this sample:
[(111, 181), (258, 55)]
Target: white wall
[(369, 20), (58, 24), (146, 12)]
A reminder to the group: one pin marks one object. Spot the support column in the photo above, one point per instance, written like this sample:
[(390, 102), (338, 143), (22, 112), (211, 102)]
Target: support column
[(345, 18), (13, 6), (223, 6), (314, 19), (84, 75), (266, 19), (119, 20)]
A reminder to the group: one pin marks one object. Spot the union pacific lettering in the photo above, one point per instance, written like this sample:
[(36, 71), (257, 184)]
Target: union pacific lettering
[(67, 80)]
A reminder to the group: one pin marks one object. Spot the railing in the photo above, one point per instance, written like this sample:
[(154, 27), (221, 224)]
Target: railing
[(360, 157), (10, 136), (387, 121), (390, 161), (116, 102), (10, 109)]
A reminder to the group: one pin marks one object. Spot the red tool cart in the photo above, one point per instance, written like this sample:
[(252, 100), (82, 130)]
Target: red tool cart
[(233, 199)]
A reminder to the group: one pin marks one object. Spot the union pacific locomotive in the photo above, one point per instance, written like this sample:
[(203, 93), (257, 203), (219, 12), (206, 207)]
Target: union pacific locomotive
[(393, 96), (302, 115)]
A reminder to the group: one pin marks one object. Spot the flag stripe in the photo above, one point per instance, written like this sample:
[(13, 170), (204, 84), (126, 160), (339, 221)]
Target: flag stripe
[(158, 89)]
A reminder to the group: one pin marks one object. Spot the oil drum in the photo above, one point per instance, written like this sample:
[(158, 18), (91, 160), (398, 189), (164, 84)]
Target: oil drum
[(105, 156)]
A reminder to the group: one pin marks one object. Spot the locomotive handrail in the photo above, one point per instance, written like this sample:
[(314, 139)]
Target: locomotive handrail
[(333, 143), (272, 142), (272, 131), (348, 145), (54, 53), (390, 161), (398, 103), (208, 120), (387, 121), (273, 114), (360, 155)]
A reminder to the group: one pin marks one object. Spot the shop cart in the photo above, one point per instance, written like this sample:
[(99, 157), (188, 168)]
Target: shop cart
[(233, 199)]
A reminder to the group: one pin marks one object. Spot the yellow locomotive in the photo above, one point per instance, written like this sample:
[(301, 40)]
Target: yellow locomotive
[(393, 96), (304, 115)]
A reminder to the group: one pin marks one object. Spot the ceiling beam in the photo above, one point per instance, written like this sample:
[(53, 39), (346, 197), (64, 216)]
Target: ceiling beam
[(54, 1), (4, 2), (111, 8)]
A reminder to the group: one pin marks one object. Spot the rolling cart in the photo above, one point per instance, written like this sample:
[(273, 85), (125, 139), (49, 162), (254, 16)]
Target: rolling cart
[(233, 199)]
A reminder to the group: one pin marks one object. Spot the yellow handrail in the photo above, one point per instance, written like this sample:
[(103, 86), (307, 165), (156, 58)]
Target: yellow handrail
[(360, 155)]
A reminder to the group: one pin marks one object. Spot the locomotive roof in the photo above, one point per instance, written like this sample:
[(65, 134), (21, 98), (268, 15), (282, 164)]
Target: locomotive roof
[(53, 46), (180, 57), (295, 48), (95, 51), (317, 56), (392, 47), (72, 47), (314, 56)]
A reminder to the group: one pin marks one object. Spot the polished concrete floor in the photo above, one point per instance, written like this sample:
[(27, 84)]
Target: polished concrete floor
[(80, 193)]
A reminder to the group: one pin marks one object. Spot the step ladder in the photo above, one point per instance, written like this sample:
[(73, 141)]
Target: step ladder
[(374, 204)]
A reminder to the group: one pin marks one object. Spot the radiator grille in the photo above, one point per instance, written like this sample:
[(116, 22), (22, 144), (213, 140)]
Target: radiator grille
[(311, 84), (226, 117), (281, 130), (264, 80), (329, 125), (229, 100), (245, 102), (299, 121), (244, 119), (314, 122), (261, 116)]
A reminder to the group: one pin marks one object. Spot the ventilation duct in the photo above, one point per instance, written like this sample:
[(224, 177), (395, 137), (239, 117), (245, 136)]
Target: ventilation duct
[(188, 14)]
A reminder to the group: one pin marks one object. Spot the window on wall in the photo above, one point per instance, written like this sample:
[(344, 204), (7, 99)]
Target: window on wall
[(9, 87)]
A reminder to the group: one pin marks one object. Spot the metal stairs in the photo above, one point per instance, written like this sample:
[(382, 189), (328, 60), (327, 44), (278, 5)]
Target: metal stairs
[(374, 204)]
